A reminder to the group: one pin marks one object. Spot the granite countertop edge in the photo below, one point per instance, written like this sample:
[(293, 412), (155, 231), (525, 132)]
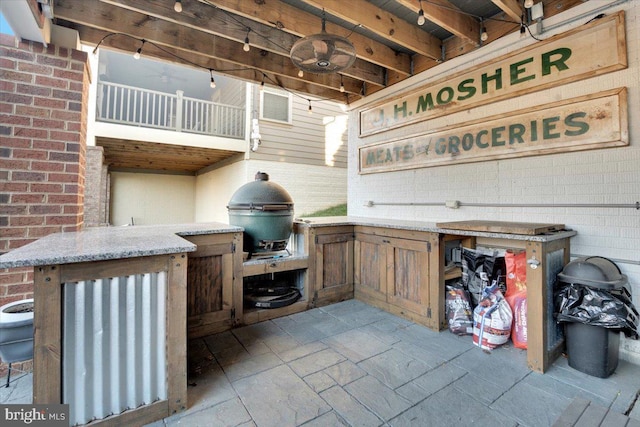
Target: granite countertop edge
[(109, 243), (428, 226)]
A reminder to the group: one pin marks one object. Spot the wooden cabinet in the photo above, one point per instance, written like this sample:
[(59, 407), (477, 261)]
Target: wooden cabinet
[(333, 264), (211, 281), (399, 271)]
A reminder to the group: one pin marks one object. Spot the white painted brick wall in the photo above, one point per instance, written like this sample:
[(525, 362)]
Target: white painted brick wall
[(599, 176)]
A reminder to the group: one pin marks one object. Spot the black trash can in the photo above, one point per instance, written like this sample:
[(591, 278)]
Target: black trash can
[(592, 313)]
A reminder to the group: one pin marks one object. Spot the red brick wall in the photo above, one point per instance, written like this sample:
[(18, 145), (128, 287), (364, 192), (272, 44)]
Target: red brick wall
[(43, 108)]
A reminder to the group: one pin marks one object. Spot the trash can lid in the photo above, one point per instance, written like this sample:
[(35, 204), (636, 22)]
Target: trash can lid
[(595, 271)]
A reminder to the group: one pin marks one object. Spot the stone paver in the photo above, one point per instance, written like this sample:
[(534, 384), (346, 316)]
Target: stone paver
[(356, 345), (448, 408), (349, 408), (279, 398), (316, 362), (378, 398), (394, 368), (350, 364), (226, 414)]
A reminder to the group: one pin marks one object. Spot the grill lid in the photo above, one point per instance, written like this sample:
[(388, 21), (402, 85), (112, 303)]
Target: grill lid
[(261, 194)]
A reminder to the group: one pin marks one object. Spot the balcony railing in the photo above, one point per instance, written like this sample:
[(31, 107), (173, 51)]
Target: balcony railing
[(129, 105)]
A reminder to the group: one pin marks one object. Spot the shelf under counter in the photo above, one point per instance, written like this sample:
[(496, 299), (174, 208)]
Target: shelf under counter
[(296, 263), (254, 267)]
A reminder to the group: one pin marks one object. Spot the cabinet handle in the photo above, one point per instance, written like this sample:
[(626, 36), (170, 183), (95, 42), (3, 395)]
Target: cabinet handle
[(386, 241), (272, 265)]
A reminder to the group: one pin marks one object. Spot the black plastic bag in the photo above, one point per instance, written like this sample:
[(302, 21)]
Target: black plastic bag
[(474, 263), (611, 309)]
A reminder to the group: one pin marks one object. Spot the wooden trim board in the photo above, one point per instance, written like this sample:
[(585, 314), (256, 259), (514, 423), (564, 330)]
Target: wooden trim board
[(526, 228)]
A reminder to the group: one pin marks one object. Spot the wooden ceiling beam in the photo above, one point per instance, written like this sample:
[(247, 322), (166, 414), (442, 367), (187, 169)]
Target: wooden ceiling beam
[(385, 24), (512, 8), (212, 20), (446, 15), (300, 23), (127, 44), (163, 33)]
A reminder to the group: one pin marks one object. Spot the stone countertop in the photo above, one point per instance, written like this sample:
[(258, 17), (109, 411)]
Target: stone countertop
[(106, 243), (427, 226)]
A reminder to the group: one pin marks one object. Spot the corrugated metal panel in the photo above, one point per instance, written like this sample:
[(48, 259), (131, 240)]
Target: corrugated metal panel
[(114, 356)]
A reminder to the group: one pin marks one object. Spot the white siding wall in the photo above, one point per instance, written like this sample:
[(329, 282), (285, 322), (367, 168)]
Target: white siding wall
[(151, 198), (599, 176), (318, 139), (311, 187)]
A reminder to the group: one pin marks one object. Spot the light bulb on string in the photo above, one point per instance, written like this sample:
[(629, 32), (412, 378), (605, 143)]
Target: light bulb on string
[(246, 46), (300, 73), (528, 4), (213, 82), (421, 18), (341, 84), (483, 34), (139, 51), (177, 6)]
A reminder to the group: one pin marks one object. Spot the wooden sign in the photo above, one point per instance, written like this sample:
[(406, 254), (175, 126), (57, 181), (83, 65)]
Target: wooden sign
[(593, 49), (584, 123)]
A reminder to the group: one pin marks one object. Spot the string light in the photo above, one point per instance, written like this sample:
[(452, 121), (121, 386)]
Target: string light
[(139, 51), (483, 32), (246, 45), (213, 82), (421, 18)]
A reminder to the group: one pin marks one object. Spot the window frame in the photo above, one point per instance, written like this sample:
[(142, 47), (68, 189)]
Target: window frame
[(277, 92)]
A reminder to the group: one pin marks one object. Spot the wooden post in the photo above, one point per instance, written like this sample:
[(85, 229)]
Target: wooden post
[(176, 327), (47, 335)]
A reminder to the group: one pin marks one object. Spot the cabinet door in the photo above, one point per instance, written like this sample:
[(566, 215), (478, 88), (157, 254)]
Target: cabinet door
[(210, 282), (370, 268), (408, 282), (334, 266)]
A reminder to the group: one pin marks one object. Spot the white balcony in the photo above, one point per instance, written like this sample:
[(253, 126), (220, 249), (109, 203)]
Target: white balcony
[(128, 105)]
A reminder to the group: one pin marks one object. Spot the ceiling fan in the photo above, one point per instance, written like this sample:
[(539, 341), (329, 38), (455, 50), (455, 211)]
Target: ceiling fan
[(323, 52)]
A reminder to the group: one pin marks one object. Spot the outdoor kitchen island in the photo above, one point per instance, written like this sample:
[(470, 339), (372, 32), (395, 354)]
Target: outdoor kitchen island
[(110, 316), (118, 303)]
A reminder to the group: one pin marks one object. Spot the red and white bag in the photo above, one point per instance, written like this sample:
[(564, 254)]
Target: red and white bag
[(492, 319), (516, 295)]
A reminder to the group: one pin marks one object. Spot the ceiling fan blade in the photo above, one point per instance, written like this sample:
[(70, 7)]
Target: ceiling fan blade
[(309, 61), (340, 59), (320, 47)]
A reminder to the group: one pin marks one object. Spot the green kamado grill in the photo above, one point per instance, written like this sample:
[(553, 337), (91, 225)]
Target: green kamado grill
[(265, 210)]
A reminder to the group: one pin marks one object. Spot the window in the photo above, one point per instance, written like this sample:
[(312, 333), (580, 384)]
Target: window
[(275, 105)]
